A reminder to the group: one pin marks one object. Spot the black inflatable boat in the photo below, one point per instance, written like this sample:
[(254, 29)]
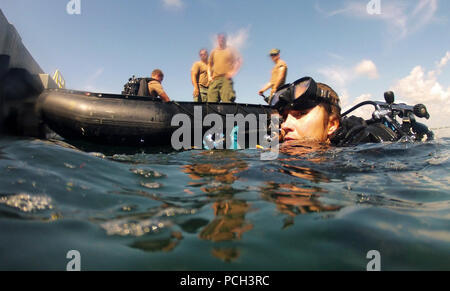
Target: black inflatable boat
[(126, 120)]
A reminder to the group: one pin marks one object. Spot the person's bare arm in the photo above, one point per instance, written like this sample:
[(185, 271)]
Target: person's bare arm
[(236, 65), (210, 66), (194, 78), (265, 88), (161, 93), (164, 96)]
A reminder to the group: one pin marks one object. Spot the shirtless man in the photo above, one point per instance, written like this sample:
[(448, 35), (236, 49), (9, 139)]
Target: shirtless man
[(224, 63)]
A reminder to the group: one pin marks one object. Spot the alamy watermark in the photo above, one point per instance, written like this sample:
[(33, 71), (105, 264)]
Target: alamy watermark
[(75, 261), (74, 7), (374, 7), (234, 135), (375, 261)]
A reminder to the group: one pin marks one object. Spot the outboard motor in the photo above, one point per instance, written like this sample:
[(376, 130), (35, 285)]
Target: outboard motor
[(136, 87), (131, 87)]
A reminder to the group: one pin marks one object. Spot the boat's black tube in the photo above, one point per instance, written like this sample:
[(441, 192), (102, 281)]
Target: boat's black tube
[(4, 67), (19, 91), (127, 120)]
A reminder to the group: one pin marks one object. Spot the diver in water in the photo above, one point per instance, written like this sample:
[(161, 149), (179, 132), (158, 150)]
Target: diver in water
[(311, 113)]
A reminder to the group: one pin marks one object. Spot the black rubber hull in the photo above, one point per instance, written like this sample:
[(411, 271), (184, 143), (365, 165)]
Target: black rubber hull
[(125, 120)]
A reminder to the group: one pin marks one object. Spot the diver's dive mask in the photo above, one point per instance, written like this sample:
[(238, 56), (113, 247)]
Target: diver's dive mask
[(304, 93)]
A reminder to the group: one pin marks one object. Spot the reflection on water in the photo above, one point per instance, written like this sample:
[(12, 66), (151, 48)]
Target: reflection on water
[(158, 245), (301, 195), (226, 209), (229, 223), (294, 200), (215, 178), (293, 150)]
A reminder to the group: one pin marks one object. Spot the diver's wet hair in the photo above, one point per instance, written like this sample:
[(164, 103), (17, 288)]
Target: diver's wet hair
[(331, 108)]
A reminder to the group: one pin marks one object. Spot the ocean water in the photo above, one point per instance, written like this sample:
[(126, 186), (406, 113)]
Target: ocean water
[(314, 208)]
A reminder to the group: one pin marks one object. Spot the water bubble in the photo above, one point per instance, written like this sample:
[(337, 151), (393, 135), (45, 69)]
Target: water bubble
[(151, 185), (70, 166), (27, 203), (147, 173), (173, 211), (134, 228)]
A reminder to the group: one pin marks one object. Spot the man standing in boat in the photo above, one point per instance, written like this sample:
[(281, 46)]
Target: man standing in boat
[(155, 88), (223, 65), (199, 77), (279, 73)]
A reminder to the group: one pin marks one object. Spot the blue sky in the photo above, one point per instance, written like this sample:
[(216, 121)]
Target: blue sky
[(406, 47)]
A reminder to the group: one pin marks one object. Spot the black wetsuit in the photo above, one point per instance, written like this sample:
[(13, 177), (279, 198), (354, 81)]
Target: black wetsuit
[(355, 130)]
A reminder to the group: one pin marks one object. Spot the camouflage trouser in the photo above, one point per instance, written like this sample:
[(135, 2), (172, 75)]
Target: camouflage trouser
[(203, 93), (221, 90)]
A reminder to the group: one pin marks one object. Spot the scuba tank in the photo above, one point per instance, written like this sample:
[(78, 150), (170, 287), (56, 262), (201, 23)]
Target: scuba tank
[(383, 126)]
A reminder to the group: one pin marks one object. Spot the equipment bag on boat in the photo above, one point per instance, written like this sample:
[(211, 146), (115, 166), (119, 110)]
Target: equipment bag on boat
[(136, 86)]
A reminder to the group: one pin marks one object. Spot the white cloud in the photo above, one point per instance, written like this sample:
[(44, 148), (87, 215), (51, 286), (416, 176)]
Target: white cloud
[(344, 97), (368, 68), (421, 86), (336, 75), (335, 56), (177, 4), (443, 62), (402, 18), (239, 39), (340, 77), (423, 14), (364, 111), (90, 83)]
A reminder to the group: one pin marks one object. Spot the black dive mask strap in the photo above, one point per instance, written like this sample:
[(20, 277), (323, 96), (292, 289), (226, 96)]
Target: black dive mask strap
[(304, 93)]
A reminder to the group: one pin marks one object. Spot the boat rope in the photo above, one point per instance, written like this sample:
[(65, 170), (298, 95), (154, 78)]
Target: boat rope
[(210, 107), (184, 109)]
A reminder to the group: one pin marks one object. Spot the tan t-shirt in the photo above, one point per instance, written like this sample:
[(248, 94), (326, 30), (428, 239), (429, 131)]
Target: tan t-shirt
[(201, 71), (155, 88), (221, 62), (278, 80)]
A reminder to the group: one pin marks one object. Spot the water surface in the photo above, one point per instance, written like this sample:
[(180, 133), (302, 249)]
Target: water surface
[(153, 209)]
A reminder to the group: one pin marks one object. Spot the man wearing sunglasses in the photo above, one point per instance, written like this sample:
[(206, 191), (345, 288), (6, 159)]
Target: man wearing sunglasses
[(310, 111), (279, 73)]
